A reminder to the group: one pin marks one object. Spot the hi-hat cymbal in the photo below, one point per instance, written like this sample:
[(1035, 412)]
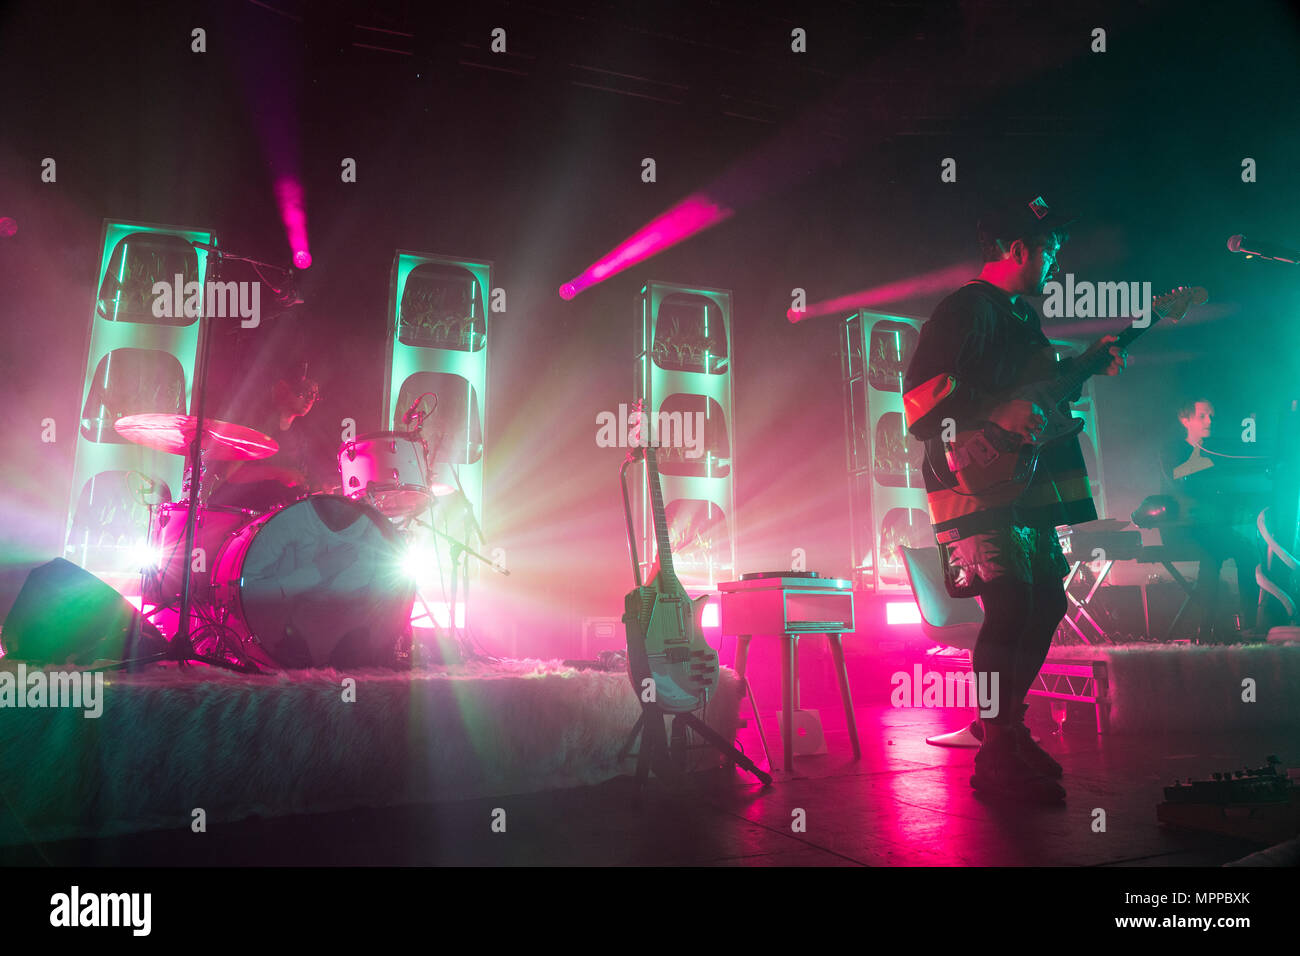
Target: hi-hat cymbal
[(223, 441)]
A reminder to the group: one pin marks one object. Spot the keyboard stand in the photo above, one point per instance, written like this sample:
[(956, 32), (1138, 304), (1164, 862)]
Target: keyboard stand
[(1081, 606)]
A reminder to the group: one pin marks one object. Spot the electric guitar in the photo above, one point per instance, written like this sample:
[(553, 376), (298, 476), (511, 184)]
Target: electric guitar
[(989, 459), (665, 644)]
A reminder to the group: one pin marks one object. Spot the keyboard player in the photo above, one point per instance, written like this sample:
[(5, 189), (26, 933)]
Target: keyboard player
[(1208, 488)]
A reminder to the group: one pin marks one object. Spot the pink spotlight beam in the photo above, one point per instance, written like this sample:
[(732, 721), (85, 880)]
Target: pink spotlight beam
[(693, 214), (940, 280), (293, 212)]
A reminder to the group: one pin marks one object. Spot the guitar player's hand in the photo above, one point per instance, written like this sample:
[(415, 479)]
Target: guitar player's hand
[(1118, 357), (1020, 417)]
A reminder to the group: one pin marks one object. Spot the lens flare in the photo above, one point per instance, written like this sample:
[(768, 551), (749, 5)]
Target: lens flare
[(930, 283), (145, 557)]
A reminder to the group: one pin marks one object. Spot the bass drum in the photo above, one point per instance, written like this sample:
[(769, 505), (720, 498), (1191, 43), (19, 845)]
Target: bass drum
[(319, 583)]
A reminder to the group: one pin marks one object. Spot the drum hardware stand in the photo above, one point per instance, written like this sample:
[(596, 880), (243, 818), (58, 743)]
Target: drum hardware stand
[(181, 649), (460, 548), (142, 616), (404, 528)]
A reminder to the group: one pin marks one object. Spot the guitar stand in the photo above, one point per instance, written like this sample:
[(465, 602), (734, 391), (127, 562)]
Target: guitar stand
[(667, 760), (655, 751)]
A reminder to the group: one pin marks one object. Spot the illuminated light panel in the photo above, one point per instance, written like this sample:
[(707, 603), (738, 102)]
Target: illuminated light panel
[(710, 616), (943, 280), (902, 612), (119, 327), (293, 212), (693, 214)]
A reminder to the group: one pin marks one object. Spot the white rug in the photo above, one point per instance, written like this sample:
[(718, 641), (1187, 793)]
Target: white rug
[(1187, 687), (171, 741)]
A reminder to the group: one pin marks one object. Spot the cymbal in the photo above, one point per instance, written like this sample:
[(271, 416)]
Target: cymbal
[(223, 441)]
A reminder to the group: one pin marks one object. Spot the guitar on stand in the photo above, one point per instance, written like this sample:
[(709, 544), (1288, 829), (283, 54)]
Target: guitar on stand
[(672, 668)]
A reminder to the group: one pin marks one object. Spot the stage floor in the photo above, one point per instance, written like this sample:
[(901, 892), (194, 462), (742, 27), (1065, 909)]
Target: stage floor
[(904, 803)]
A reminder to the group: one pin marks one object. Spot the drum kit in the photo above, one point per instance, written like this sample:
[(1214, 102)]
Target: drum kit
[(319, 582)]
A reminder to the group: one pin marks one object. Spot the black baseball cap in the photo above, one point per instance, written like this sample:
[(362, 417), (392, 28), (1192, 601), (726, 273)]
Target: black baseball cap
[(1020, 219)]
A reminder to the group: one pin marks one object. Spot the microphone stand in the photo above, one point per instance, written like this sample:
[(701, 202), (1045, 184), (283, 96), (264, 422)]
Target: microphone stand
[(257, 265), (462, 548), (457, 548)]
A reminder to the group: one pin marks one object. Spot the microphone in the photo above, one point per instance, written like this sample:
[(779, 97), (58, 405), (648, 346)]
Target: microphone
[(205, 247), (1264, 250), (412, 412)]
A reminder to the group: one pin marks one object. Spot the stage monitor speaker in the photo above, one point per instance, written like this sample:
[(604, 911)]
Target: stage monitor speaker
[(65, 614)]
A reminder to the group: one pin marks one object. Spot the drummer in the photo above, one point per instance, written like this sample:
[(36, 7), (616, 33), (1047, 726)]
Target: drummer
[(297, 469)]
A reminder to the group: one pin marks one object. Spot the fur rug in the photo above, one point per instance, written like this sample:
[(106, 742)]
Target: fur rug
[(1179, 687), (170, 741)]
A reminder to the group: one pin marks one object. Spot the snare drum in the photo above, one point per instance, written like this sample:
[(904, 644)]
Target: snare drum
[(319, 583), (389, 467)]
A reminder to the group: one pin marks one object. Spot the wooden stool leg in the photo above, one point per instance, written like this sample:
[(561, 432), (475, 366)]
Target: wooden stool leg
[(794, 669), (742, 660), (758, 722), (1146, 615), (788, 652), (846, 695), (742, 653)]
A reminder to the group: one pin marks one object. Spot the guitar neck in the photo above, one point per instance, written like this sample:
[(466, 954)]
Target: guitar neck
[(667, 574), (1066, 385)]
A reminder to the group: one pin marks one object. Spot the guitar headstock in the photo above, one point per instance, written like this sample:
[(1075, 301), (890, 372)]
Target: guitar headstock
[(1173, 305), (636, 418)]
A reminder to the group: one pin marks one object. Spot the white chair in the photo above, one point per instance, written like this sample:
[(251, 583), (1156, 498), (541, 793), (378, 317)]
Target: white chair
[(947, 621)]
